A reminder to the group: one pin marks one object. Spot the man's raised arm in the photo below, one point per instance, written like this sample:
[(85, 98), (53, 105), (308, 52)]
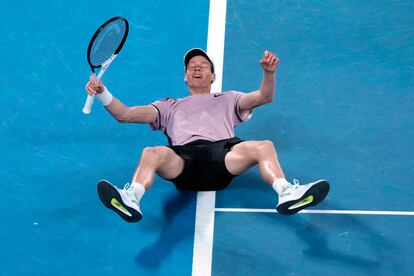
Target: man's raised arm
[(122, 113), (266, 92)]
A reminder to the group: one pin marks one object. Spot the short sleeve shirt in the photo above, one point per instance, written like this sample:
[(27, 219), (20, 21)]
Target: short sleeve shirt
[(209, 117)]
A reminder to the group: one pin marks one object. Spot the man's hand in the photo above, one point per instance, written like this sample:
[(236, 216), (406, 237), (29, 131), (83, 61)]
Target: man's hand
[(94, 87), (269, 62)]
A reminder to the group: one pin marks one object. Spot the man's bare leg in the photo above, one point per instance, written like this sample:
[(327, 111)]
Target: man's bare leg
[(125, 202), (249, 153), (161, 160), (292, 198)]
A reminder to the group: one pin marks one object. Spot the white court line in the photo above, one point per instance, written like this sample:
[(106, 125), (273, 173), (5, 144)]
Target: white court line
[(215, 39), (203, 234), (334, 212), (204, 221)]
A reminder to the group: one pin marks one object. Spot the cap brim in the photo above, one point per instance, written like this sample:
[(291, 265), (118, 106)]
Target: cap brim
[(197, 52)]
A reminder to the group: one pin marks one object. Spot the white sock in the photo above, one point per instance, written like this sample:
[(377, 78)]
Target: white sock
[(280, 184), (138, 189)]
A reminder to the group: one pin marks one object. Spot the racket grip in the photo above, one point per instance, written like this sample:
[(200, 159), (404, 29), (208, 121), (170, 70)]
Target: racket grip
[(88, 105)]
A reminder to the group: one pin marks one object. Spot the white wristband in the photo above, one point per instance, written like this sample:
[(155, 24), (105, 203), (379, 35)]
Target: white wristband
[(105, 97)]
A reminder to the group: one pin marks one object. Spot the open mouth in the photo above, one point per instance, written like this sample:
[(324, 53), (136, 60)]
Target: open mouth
[(197, 76)]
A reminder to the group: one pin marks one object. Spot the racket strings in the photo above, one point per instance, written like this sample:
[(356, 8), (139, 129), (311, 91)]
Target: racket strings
[(107, 42)]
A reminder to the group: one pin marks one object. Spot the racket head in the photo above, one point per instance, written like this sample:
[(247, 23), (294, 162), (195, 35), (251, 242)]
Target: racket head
[(108, 40)]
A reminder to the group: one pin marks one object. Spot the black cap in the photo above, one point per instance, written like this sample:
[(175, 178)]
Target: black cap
[(197, 52)]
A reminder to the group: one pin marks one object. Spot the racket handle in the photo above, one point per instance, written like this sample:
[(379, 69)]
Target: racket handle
[(88, 105), (89, 100)]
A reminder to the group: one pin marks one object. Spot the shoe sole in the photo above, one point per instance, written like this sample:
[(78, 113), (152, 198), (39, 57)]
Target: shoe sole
[(312, 197), (110, 196)]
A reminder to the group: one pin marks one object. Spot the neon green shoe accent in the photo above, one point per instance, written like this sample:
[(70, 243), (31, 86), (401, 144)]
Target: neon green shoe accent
[(117, 205), (303, 202)]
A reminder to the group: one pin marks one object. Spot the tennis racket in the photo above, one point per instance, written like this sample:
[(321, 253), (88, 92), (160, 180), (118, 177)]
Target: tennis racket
[(103, 48)]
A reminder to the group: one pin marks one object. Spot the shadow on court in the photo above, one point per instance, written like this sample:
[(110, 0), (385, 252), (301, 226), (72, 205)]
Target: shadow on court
[(177, 213), (349, 241)]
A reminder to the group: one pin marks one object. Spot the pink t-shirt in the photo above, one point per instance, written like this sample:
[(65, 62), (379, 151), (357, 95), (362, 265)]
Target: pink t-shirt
[(209, 117)]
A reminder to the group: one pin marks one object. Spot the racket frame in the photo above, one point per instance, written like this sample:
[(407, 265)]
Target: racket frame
[(87, 108)]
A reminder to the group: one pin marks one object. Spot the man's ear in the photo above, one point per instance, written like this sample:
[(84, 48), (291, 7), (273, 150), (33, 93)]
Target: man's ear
[(213, 78)]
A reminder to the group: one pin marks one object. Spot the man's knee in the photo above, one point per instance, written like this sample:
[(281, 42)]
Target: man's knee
[(265, 147), (155, 154), (266, 144)]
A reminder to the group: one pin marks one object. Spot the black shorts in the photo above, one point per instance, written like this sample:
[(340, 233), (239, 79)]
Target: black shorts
[(204, 168)]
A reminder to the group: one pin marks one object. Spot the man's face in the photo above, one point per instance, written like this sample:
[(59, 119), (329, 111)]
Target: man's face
[(198, 73)]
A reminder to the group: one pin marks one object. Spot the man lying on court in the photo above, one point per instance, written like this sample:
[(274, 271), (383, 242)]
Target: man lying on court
[(203, 152)]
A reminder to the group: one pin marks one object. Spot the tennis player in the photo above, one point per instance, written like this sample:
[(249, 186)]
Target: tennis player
[(203, 152)]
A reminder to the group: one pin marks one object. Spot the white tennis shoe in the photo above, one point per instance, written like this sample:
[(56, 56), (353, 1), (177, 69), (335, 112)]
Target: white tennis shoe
[(298, 197), (122, 201)]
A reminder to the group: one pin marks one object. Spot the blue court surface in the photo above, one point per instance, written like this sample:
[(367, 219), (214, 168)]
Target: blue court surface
[(343, 111)]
